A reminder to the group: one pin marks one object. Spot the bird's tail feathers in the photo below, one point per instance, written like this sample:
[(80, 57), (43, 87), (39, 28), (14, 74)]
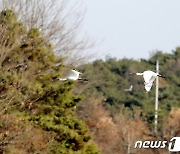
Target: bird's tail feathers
[(82, 79)]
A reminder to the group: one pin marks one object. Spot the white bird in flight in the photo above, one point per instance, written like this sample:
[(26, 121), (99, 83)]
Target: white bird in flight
[(149, 77), (72, 75), (129, 89)]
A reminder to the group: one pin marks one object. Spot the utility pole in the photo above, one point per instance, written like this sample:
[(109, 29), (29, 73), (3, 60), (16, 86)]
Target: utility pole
[(156, 99)]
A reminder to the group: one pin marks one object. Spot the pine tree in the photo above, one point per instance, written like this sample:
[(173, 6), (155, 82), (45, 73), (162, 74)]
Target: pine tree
[(29, 83)]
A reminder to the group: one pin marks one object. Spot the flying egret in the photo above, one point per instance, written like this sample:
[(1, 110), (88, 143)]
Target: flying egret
[(72, 75), (149, 77), (129, 89)]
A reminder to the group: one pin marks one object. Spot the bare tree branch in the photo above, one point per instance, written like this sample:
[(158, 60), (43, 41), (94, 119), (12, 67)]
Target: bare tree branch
[(58, 22)]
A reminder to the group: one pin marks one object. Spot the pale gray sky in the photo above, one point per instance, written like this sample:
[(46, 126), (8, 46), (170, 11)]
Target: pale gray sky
[(133, 28)]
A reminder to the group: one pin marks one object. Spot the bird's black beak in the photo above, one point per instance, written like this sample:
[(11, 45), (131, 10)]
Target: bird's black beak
[(162, 76)]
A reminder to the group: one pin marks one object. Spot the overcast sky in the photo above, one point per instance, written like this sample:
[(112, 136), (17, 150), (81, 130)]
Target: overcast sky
[(133, 28)]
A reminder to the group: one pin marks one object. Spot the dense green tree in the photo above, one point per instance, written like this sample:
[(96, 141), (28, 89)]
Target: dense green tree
[(28, 83)]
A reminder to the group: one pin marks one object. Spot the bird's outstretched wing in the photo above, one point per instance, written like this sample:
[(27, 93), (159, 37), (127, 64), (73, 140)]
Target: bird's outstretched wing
[(130, 88), (148, 86), (152, 78)]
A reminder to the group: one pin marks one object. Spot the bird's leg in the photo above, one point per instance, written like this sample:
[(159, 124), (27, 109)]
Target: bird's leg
[(83, 79)]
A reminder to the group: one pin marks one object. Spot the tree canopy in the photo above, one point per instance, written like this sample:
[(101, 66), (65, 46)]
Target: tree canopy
[(110, 78), (28, 84)]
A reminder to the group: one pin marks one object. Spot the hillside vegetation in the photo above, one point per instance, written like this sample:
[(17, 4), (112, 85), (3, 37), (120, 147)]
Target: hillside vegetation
[(40, 114), (111, 77), (121, 117)]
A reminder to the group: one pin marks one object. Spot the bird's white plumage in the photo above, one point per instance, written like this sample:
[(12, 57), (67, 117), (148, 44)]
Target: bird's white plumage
[(149, 77), (147, 86), (72, 75), (129, 89)]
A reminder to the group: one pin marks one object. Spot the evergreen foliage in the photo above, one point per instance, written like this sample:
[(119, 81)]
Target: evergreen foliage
[(28, 83), (109, 78)]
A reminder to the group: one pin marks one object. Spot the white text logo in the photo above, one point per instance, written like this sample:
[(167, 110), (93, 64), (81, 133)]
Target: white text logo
[(174, 144)]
